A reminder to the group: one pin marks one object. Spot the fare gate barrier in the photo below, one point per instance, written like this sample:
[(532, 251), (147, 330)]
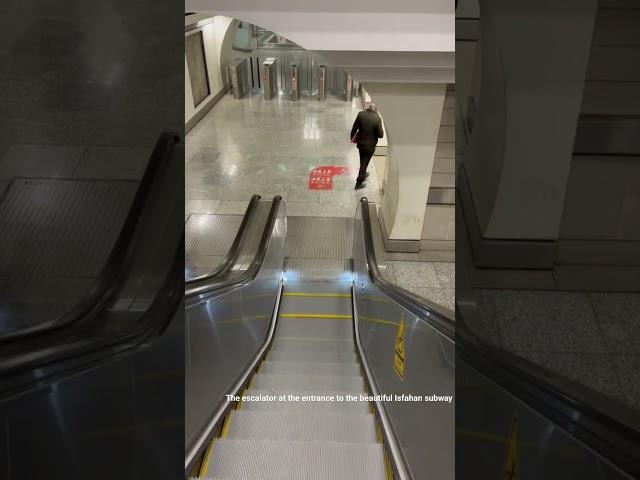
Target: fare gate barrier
[(269, 78), (238, 77), (295, 84), (322, 83), (348, 87)]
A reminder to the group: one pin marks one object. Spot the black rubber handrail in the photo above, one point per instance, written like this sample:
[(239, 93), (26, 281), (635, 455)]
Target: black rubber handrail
[(435, 315), (151, 322), (211, 286), (120, 256), (234, 250)]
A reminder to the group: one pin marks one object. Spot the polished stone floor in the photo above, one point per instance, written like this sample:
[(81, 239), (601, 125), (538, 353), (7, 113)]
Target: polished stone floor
[(590, 337), (434, 281), (252, 146)]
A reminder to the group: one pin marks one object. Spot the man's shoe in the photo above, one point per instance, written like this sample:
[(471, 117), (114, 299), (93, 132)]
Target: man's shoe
[(359, 186)]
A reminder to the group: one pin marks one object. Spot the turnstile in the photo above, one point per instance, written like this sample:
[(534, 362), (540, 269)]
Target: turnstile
[(238, 77), (295, 82), (322, 83), (348, 87), (269, 78)]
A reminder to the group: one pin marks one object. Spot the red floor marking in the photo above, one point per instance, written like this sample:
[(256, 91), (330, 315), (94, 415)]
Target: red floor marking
[(321, 178)]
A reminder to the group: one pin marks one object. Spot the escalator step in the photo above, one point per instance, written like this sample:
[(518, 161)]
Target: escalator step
[(311, 356), (302, 426), (335, 407), (299, 344), (283, 460), (310, 368), (307, 383), (315, 327), (310, 302)]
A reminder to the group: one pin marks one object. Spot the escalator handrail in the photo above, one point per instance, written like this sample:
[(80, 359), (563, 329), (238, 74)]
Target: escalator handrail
[(121, 253), (87, 352), (216, 286), (438, 317), (591, 417), (557, 397), (234, 250)]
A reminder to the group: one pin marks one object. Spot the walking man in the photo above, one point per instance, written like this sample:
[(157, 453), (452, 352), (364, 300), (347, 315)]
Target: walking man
[(366, 131)]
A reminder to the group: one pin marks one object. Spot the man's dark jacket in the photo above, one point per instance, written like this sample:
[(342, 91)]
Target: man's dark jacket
[(369, 127)]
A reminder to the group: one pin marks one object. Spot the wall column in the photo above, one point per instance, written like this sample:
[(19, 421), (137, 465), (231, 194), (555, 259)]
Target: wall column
[(533, 62), (412, 114)]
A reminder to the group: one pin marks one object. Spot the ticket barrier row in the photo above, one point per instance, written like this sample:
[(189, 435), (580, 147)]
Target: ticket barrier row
[(238, 78)]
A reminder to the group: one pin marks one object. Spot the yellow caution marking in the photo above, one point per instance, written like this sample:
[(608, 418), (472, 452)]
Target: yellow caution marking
[(317, 295), (225, 425), (323, 316), (204, 467), (387, 465), (398, 354), (364, 318), (512, 468)]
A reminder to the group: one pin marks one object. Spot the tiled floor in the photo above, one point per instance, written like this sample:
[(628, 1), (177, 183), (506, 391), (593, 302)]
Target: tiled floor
[(434, 281), (591, 338), (248, 146)]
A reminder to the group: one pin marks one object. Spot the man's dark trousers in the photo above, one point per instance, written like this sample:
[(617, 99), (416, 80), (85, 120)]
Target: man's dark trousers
[(365, 158)]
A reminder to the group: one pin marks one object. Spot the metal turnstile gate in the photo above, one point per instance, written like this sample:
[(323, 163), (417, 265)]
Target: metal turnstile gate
[(295, 82), (348, 87), (269, 78), (322, 83), (238, 77)]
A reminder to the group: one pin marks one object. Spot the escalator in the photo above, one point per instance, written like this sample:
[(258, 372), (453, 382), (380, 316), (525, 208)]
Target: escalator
[(303, 327), (305, 383), (107, 374), (312, 356)]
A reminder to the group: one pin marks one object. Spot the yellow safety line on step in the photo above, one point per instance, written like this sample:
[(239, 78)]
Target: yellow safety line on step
[(317, 295), (324, 316), (205, 461), (313, 339)]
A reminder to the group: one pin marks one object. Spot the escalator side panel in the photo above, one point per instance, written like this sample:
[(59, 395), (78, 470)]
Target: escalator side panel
[(423, 429), (225, 332), (484, 434), (132, 404)]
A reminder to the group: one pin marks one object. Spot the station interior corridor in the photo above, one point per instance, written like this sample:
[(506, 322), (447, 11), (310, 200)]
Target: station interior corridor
[(252, 146), (248, 146)]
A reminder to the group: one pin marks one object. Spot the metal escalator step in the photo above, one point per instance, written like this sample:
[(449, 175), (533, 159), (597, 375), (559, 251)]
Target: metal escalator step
[(306, 383), (313, 344), (314, 270), (207, 234), (315, 327), (311, 356), (335, 407), (302, 426), (61, 228), (283, 460), (310, 368), (319, 237), (309, 302), (322, 288)]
